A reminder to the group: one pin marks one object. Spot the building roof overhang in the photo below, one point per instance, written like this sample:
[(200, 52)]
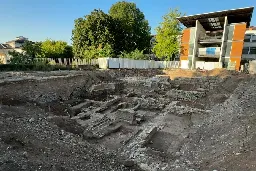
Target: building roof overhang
[(215, 20)]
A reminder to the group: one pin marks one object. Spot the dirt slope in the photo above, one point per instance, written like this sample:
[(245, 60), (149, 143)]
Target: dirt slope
[(226, 140)]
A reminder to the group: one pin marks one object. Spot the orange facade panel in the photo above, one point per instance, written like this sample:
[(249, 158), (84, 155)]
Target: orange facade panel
[(184, 49), (239, 32), (237, 49), (183, 58), (185, 36), (185, 44)]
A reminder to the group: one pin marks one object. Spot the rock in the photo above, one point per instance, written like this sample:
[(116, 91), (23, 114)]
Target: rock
[(103, 87), (25, 154), (140, 117), (77, 109), (129, 163), (82, 116), (108, 104), (31, 120), (200, 89), (126, 115), (177, 154), (185, 95)]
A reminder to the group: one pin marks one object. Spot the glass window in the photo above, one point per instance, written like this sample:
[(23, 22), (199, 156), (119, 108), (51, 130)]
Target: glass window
[(247, 38), (253, 38), (245, 50), (252, 50)]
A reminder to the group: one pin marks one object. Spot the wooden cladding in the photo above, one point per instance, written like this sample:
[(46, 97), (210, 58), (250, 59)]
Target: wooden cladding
[(239, 32), (237, 44), (184, 50), (237, 49), (185, 36), (183, 58)]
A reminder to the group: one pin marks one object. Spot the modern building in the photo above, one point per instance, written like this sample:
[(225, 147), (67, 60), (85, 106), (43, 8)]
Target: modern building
[(13, 45), (216, 39)]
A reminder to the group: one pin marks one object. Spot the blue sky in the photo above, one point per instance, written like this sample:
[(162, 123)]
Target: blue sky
[(41, 19)]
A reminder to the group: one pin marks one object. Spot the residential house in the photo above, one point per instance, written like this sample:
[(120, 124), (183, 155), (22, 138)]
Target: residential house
[(13, 45)]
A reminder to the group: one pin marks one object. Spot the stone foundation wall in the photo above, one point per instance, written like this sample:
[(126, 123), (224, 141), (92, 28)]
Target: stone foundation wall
[(206, 83)]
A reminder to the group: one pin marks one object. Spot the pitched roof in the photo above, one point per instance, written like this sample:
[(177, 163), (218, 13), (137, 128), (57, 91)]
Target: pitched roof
[(5, 46)]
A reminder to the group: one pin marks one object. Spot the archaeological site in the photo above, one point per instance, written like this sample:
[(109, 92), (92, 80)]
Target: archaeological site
[(124, 119)]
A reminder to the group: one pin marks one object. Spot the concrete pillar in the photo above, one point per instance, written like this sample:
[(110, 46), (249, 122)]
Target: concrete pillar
[(199, 30), (224, 40)]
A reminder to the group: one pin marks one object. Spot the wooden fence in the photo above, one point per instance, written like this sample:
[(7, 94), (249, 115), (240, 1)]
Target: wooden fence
[(69, 61), (105, 63)]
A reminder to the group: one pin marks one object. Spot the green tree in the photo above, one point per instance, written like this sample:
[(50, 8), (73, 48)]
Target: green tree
[(132, 29), (32, 49), (92, 32), (167, 44), (55, 49)]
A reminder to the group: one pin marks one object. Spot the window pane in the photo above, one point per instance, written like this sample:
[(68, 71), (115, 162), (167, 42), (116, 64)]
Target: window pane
[(245, 50), (254, 38), (253, 50), (247, 38)]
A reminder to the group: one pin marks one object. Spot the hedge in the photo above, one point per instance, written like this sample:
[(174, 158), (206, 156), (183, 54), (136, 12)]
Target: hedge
[(43, 67), (32, 67)]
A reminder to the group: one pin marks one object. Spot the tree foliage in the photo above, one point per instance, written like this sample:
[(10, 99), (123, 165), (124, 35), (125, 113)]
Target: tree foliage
[(136, 54), (55, 49), (93, 52), (92, 32), (30, 50), (133, 29), (167, 44), (123, 29), (46, 49)]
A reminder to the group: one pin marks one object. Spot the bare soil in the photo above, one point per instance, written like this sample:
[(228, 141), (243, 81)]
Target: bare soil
[(127, 120)]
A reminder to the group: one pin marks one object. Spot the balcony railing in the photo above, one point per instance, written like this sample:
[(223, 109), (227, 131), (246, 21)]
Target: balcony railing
[(209, 52), (210, 39)]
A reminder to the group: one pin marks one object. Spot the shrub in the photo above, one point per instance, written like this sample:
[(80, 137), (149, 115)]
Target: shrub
[(52, 62), (136, 54), (93, 52), (74, 64)]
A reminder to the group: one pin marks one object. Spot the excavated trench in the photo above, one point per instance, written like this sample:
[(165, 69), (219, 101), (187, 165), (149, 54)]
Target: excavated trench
[(144, 122)]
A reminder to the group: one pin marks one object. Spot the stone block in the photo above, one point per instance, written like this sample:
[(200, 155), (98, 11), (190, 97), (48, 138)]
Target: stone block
[(126, 115), (185, 95), (108, 104), (74, 110), (103, 87), (82, 116)]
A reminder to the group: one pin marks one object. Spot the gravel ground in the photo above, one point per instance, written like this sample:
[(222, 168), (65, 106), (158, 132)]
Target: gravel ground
[(214, 132), (28, 142)]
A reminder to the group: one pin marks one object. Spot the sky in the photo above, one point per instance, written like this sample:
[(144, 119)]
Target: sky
[(54, 19)]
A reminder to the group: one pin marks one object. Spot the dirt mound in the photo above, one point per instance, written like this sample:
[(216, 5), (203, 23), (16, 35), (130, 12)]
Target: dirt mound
[(221, 73), (176, 73)]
